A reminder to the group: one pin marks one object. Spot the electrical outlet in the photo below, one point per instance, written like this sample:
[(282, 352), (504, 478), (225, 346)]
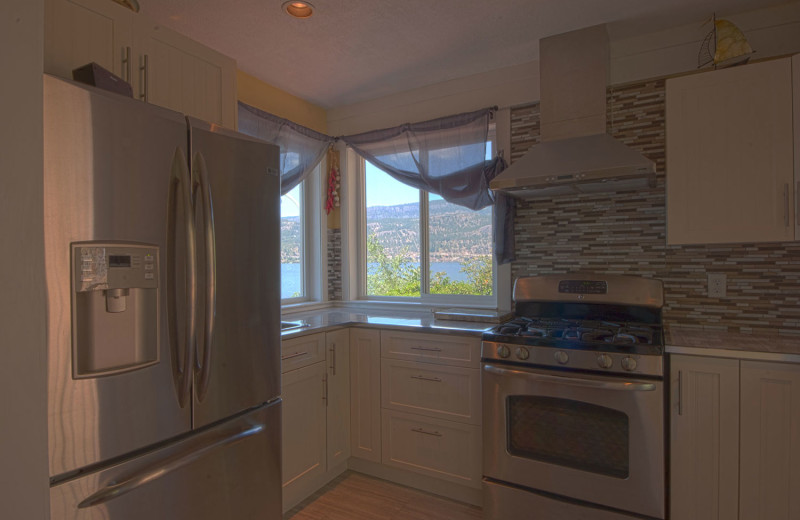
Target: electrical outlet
[(717, 285)]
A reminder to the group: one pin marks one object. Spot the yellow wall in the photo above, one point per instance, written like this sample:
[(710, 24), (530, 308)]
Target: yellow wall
[(261, 95)]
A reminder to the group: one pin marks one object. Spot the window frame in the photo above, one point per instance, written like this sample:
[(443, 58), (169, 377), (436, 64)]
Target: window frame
[(501, 273), (313, 242)]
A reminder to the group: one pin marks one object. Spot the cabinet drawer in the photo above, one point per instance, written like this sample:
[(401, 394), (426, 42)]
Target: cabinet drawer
[(443, 449), (436, 391), (441, 349), (302, 351)]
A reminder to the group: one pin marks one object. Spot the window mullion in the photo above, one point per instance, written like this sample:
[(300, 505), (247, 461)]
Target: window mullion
[(424, 245)]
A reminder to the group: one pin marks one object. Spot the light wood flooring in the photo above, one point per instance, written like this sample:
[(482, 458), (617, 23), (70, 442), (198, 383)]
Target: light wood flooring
[(355, 496)]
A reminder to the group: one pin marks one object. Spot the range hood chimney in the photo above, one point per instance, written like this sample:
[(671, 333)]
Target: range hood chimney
[(575, 155)]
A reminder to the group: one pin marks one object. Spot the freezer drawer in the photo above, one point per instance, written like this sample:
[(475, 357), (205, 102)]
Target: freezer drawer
[(231, 470)]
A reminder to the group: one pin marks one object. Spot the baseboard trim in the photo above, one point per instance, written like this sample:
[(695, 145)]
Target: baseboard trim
[(403, 477)]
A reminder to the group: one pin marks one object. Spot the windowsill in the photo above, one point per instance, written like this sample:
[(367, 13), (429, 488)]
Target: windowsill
[(390, 305)]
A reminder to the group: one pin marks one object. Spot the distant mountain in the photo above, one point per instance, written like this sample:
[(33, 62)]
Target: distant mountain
[(456, 233)]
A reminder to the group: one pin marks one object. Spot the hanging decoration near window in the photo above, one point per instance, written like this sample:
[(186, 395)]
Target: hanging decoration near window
[(334, 181), (724, 46)]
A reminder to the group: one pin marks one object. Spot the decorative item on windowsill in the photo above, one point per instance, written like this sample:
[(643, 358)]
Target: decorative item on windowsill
[(724, 46), (334, 181)]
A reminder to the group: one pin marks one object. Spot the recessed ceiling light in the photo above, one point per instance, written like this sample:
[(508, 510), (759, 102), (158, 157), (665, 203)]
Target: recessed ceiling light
[(298, 9)]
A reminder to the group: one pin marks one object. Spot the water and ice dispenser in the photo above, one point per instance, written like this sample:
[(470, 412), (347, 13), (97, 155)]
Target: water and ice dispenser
[(114, 307)]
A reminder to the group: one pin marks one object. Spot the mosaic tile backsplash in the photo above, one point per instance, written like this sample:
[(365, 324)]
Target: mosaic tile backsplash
[(334, 264), (625, 233)]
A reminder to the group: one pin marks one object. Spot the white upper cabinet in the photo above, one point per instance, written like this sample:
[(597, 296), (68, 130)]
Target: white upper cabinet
[(78, 32), (163, 67), (181, 74), (730, 164), (796, 104)]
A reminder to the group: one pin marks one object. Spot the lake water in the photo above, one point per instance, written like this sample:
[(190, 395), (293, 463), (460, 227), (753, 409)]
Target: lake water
[(290, 276)]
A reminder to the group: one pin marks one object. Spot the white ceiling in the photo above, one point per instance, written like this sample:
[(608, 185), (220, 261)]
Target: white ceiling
[(356, 50)]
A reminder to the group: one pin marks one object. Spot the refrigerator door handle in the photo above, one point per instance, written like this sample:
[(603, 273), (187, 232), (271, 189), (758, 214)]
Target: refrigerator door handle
[(201, 184), (171, 462), (182, 365)]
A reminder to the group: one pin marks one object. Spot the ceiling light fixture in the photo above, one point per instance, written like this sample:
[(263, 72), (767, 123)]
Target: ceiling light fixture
[(298, 9)]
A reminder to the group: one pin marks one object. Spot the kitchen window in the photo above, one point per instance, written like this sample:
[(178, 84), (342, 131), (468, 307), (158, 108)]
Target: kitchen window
[(300, 243), (417, 246)]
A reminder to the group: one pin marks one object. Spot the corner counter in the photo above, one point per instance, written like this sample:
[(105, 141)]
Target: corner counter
[(422, 321), (736, 345)]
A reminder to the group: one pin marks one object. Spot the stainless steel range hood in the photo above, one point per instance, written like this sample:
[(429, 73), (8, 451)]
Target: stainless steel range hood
[(575, 155)]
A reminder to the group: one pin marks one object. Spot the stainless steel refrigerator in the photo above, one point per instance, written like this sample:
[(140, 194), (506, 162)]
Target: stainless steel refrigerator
[(162, 266)]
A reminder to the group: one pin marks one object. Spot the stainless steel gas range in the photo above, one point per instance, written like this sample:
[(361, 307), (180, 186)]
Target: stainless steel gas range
[(573, 401)]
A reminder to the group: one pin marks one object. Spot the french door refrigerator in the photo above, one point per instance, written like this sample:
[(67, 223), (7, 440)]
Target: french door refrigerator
[(161, 237)]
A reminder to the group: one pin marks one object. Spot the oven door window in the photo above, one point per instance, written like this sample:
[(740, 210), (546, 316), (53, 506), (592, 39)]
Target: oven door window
[(568, 433)]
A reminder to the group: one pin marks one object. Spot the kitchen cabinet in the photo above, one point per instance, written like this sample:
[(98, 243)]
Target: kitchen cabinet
[(316, 412), (734, 457), (431, 407), (78, 32), (730, 160), (338, 402), (303, 432), (770, 437), (365, 394), (704, 438), (162, 66)]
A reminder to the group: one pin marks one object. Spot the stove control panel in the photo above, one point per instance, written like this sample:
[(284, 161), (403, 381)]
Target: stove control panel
[(583, 287), (548, 356)]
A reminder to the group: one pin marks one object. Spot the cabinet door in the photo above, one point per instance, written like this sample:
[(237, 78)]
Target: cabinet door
[(338, 411), (770, 448), (183, 75), (704, 478), (303, 430), (729, 155), (365, 394), (796, 105), (78, 32)]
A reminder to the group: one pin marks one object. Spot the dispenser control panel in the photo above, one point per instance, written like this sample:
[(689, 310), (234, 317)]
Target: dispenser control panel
[(102, 266)]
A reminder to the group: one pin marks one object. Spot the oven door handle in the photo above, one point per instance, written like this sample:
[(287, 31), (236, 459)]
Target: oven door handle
[(626, 386)]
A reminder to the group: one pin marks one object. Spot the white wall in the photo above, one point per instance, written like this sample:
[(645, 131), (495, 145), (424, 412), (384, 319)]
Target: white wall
[(771, 32), (503, 87), (23, 364)]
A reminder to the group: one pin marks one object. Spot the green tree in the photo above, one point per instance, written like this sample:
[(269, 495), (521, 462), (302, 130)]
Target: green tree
[(399, 276), (395, 276)]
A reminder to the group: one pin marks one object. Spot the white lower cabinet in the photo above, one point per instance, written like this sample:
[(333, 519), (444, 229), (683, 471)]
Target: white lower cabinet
[(438, 448), (303, 431), (735, 439), (770, 436), (316, 412), (431, 405), (365, 394)]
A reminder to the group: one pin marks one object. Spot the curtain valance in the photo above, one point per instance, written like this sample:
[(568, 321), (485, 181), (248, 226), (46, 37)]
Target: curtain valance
[(446, 157), (301, 148)]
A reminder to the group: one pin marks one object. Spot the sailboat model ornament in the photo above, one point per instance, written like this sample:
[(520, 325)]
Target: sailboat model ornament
[(724, 46)]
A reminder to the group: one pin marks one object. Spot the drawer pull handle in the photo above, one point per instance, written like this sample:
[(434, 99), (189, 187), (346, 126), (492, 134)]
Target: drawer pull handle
[(423, 378), (333, 358), (296, 354), (427, 349), (420, 430)]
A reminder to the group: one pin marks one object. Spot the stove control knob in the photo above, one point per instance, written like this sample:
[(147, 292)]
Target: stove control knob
[(604, 361), (522, 353), (561, 357), (503, 351), (629, 364)]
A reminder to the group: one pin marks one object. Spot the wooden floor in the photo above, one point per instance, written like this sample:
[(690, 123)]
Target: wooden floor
[(355, 496)]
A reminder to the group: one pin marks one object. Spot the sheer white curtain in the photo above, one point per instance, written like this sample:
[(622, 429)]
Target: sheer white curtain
[(301, 148), (446, 157)]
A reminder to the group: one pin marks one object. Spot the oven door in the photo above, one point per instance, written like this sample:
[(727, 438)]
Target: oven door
[(594, 438)]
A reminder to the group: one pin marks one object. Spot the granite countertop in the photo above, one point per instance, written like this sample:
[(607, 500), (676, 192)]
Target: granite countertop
[(691, 340), (422, 321)]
